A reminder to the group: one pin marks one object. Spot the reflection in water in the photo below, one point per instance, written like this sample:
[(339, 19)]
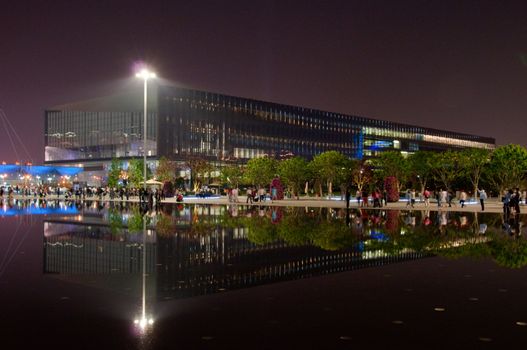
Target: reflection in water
[(144, 321), (194, 250), (181, 251)]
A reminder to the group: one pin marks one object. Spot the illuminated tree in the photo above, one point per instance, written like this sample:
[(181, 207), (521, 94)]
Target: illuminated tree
[(114, 172), (261, 171), (392, 163), (361, 175), (446, 167), (507, 167), (232, 175), (327, 168), (165, 170), (136, 172), (473, 162), (420, 167), (294, 173), (200, 171)]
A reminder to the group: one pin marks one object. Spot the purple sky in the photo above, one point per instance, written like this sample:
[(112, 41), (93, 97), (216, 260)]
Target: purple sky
[(456, 65)]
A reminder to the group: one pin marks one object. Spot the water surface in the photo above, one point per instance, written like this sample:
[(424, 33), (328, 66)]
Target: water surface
[(88, 274)]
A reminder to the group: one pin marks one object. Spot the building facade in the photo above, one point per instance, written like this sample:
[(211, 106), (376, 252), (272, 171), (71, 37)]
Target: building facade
[(184, 124)]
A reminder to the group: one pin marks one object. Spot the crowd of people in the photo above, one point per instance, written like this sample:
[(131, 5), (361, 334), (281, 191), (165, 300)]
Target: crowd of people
[(511, 198), (151, 195)]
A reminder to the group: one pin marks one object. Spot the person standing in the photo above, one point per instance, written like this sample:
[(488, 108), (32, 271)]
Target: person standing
[(444, 197), (412, 197), (376, 198), (407, 196), (462, 198), (482, 198), (426, 195), (348, 198), (506, 200), (249, 195), (365, 198), (261, 193), (235, 195), (517, 200)]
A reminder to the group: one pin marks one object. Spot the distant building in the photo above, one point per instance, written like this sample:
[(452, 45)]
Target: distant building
[(31, 175), (185, 124)]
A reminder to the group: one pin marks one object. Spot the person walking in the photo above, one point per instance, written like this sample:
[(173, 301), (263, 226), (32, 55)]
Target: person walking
[(482, 198), (451, 197)]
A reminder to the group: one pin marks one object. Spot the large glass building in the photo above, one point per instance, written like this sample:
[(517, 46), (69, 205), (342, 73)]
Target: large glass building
[(184, 124)]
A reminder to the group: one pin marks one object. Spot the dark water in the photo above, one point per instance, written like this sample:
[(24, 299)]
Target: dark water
[(84, 275)]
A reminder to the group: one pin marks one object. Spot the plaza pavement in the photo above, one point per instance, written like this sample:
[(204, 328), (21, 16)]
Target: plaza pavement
[(492, 205)]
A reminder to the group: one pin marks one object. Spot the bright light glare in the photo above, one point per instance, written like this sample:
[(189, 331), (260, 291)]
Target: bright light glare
[(145, 74), (144, 322)]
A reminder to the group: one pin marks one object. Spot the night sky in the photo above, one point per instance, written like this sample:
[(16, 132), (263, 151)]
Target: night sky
[(455, 65)]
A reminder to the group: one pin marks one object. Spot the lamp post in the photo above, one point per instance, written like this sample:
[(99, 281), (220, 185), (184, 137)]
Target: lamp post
[(145, 74)]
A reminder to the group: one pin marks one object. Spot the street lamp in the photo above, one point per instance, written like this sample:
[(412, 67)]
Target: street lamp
[(145, 74), (144, 321)]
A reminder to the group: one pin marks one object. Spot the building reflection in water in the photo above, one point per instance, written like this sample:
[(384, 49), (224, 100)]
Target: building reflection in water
[(196, 250)]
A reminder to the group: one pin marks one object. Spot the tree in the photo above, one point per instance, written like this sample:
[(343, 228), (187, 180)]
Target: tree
[(446, 167), (419, 165), (200, 170), (232, 175), (361, 175), (390, 186), (294, 173), (392, 163), (166, 170), (261, 171), (327, 167), (473, 161), (136, 172), (507, 167), (114, 172)]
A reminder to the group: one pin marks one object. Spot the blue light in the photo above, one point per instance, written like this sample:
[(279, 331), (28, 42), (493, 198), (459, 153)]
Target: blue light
[(378, 236), (39, 169), (31, 210)]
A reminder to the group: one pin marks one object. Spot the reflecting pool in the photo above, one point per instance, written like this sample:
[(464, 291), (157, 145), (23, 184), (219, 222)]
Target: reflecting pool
[(181, 274)]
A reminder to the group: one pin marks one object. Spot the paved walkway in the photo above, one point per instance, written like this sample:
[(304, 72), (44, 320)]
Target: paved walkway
[(492, 205)]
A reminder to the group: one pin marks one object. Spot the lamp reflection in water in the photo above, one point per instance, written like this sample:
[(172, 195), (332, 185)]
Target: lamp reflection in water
[(144, 322)]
